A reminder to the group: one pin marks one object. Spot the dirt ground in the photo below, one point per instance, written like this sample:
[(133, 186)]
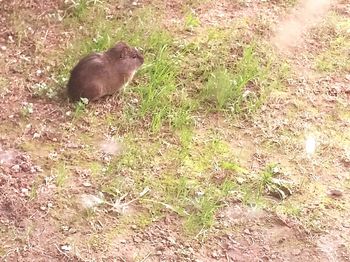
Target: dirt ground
[(31, 227)]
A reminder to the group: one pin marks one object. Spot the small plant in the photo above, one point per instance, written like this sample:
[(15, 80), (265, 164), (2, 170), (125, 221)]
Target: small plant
[(78, 8), (61, 174), (278, 188), (42, 90), (27, 109), (4, 86), (336, 57), (191, 21), (80, 107), (230, 90)]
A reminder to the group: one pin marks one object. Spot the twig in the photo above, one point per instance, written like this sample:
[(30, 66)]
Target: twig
[(144, 259)]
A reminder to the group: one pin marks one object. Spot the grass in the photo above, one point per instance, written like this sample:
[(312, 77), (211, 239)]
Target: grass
[(173, 143), (335, 37), (178, 80)]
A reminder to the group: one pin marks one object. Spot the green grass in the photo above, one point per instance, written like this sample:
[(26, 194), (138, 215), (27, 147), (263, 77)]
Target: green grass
[(334, 34), (335, 59), (220, 71)]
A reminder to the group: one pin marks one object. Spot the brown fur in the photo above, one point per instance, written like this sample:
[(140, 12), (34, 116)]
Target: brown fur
[(101, 74)]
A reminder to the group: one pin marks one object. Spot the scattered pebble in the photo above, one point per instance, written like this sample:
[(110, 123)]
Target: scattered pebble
[(36, 135), (137, 239), (110, 147), (346, 225), (335, 193), (39, 72), (90, 201), (25, 191), (87, 184), (66, 248), (16, 168), (296, 252)]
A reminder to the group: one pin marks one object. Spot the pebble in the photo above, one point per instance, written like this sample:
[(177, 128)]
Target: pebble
[(137, 239), (346, 225), (246, 231), (296, 252), (335, 193)]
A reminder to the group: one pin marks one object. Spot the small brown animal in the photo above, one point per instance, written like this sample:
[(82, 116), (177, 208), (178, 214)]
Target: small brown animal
[(101, 74)]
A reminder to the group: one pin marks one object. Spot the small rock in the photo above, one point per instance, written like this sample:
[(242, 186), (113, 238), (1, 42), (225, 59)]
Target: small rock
[(281, 240), (65, 228), (159, 253), (25, 167), (25, 191), (171, 240), (246, 231), (16, 168), (90, 201), (335, 193), (3, 48), (296, 252), (137, 239), (346, 225), (123, 241), (133, 227), (215, 254), (66, 248), (36, 135), (87, 184)]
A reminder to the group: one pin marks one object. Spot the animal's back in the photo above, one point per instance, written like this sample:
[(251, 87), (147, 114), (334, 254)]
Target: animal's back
[(87, 77)]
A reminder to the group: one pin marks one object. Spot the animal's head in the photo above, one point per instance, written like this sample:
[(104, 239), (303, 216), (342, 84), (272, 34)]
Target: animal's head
[(128, 57)]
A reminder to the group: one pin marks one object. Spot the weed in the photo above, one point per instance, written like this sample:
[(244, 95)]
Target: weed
[(4, 84), (336, 57), (43, 90), (191, 21), (80, 107), (205, 205), (27, 109), (225, 90), (333, 35), (61, 174), (79, 8)]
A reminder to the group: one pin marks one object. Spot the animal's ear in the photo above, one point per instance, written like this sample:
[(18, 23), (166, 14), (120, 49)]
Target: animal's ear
[(123, 52)]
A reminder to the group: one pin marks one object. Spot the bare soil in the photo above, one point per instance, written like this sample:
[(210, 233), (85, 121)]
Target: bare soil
[(31, 229)]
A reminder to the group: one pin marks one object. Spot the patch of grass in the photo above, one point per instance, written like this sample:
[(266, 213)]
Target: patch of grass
[(27, 109), (231, 71), (205, 206), (335, 59), (225, 90), (191, 21), (80, 107), (61, 175), (158, 95), (333, 34), (80, 8), (4, 86)]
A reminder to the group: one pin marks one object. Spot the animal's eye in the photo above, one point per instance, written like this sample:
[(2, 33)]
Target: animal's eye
[(134, 55)]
